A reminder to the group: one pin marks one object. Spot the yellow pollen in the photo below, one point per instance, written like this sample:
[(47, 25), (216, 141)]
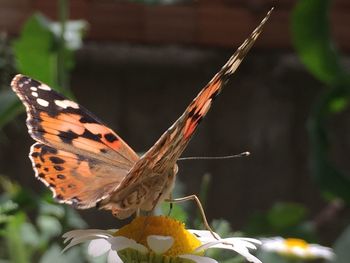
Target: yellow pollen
[(296, 242), (143, 226)]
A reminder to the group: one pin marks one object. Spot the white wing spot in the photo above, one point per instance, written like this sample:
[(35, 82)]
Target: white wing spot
[(66, 103), (42, 102), (35, 94), (33, 88), (44, 87)]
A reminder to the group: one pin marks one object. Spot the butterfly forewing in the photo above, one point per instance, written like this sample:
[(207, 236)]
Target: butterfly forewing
[(165, 152), (62, 123), (96, 153)]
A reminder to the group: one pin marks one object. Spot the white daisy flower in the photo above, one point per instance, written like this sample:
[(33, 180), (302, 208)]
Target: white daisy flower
[(158, 239), (297, 248)]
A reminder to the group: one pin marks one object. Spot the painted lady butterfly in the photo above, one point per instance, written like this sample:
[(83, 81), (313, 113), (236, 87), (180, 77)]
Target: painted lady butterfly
[(86, 164)]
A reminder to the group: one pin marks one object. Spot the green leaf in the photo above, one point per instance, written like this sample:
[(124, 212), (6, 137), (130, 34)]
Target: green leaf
[(51, 209), (18, 251), (49, 227), (73, 219), (30, 235), (204, 188), (7, 207), (35, 50), (177, 212), (9, 187), (333, 183), (284, 215), (54, 254), (222, 227), (312, 39), (10, 106), (338, 104)]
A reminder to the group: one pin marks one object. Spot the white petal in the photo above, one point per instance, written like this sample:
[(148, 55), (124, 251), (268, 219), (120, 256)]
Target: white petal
[(238, 241), (199, 259), (299, 251), (239, 245), (273, 244), (76, 241), (160, 244), (207, 245), (98, 247), (320, 251), (204, 234), (113, 257), (120, 243), (86, 232), (229, 243)]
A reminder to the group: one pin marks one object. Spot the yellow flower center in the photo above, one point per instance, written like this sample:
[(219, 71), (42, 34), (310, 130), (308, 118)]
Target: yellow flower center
[(296, 242), (143, 226)]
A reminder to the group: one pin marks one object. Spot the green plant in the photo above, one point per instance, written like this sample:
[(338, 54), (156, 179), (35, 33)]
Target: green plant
[(314, 45)]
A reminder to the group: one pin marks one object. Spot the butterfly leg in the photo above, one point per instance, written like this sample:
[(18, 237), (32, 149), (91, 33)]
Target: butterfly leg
[(149, 213), (170, 205), (199, 204)]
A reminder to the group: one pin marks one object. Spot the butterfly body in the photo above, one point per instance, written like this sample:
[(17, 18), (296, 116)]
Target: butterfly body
[(86, 164), (144, 195)]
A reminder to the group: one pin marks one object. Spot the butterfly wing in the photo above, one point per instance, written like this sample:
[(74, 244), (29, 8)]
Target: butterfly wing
[(74, 148), (165, 152), (172, 143), (74, 179)]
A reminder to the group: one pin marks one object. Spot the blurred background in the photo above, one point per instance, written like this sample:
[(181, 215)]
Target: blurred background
[(138, 64)]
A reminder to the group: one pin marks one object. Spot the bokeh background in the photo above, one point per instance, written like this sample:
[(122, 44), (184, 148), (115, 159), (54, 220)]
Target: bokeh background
[(138, 64)]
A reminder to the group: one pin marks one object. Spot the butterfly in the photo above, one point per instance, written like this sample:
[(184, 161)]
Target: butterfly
[(86, 164)]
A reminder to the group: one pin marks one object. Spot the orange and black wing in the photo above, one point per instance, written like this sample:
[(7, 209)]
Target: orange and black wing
[(166, 151), (77, 156)]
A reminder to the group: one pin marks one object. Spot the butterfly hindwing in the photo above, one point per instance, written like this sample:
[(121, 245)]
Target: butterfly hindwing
[(74, 179)]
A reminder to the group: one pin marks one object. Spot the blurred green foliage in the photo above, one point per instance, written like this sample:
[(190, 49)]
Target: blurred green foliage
[(38, 53), (282, 219), (312, 40), (30, 224)]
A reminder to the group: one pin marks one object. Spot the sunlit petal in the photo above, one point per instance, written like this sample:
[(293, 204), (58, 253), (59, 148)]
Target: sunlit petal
[(120, 243), (160, 244), (98, 247), (113, 257), (86, 232), (204, 235), (296, 247), (76, 241)]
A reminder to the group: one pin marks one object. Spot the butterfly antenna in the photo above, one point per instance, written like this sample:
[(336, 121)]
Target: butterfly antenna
[(243, 154)]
